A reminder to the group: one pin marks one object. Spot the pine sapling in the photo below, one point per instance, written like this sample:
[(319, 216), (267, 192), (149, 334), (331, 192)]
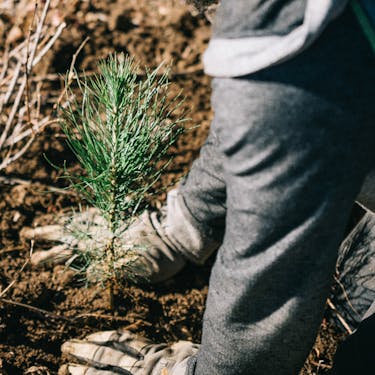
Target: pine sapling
[(120, 128)]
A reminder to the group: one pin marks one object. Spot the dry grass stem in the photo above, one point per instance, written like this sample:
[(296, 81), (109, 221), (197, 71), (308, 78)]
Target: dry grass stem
[(18, 181), (41, 312), (75, 320), (339, 283), (20, 103), (71, 74), (339, 317)]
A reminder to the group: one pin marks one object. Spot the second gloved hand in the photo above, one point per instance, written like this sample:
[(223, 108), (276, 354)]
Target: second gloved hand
[(122, 352)]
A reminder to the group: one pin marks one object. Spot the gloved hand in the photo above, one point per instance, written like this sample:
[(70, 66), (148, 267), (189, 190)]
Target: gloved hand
[(122, 352), (153, 257), (161, 242)]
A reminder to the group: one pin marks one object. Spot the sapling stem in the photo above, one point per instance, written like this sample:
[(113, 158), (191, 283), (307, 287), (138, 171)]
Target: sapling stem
[(120, 128), (113, 220)]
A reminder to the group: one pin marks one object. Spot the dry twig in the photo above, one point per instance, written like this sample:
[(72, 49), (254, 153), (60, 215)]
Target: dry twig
[(77, 319), (340, 284), (320, 364), (47, 188), (40, 312), (10, 250), (339, 316), (20, 117), (71, 71)]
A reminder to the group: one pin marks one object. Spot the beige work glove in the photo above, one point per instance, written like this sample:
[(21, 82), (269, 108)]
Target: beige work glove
[(160, 242), (148, 252), (122, 352)]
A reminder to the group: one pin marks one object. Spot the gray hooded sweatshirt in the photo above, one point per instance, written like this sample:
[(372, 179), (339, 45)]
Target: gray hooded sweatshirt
[(254, 34)]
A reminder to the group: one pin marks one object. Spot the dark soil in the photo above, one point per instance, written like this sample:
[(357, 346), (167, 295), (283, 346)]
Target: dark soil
[(30, 340)]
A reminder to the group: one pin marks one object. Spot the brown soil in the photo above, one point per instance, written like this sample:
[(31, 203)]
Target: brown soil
[(152, 31)]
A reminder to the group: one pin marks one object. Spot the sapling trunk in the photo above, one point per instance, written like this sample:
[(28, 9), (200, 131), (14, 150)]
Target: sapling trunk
[(112, 222), (120, 131)]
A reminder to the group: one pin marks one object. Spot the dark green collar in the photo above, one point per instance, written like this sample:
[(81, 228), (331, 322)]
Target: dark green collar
[(365, 22)]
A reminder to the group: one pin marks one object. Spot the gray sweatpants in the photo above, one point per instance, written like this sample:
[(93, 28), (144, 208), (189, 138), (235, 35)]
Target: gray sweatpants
[(288, 151)]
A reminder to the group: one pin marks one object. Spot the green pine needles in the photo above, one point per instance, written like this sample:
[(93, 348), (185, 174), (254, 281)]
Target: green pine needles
[(120, 129)]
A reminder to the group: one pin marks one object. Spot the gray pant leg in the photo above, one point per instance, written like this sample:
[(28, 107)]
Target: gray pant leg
[(296, 146)]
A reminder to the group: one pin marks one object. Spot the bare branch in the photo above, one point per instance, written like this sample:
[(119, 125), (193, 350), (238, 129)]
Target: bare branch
[(49, 45), (20, 103)]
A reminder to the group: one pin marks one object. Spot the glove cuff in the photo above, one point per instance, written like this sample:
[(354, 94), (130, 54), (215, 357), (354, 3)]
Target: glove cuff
[(187, 235)]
